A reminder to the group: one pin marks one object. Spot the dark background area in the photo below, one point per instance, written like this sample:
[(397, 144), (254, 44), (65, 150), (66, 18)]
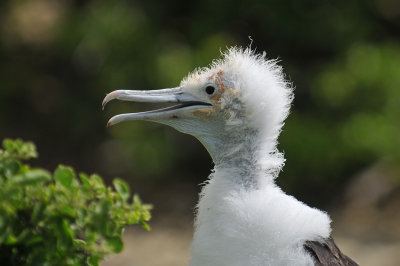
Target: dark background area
[(58, 59)]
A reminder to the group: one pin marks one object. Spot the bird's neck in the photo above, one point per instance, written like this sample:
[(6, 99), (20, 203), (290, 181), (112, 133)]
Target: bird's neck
[(249, 161)]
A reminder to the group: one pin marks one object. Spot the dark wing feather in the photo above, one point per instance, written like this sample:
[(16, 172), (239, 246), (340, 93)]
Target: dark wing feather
[(326, 253)]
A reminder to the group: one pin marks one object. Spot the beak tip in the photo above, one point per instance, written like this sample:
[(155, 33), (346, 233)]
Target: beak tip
[(104, 103), (109, 97)]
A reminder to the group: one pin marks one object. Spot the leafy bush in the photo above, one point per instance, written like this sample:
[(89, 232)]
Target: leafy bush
[(58, 219)]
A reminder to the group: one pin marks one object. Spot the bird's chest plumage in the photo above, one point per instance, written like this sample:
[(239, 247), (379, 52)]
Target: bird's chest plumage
[(238, 226)]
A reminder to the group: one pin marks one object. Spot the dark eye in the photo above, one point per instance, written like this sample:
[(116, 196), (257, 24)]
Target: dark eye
[(210, 90)]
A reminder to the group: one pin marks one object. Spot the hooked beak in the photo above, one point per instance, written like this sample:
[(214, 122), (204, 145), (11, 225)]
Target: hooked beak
[(187, 103)]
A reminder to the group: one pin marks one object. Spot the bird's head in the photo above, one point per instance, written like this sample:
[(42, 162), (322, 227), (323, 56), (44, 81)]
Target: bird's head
[(239, 102)]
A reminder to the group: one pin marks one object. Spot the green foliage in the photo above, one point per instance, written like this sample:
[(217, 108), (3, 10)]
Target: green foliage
[(60, 219)]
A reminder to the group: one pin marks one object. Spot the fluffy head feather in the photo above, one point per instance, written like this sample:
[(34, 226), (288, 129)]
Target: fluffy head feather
[(253, 100)]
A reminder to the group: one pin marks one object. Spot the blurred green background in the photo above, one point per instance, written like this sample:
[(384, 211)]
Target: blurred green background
[(58, 59)]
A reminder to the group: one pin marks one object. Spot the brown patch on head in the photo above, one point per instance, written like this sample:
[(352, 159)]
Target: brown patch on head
[(217, 76), (226, 91), (202, 113), (219, 82), (218, 96)]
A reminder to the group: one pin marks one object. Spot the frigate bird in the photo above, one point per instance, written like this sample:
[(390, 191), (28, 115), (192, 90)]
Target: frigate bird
[(236, 108)]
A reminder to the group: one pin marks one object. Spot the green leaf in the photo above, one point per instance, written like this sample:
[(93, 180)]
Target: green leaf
[(102, 216), (97, 183), (67, 210), (115, 244), (85, 180), (19, 150), (37, 211), (122, 188), (79, 243), (11, 145), (93, 261), (12, 168), (146, 226), (64, 176), (31, 177), (67, 229)]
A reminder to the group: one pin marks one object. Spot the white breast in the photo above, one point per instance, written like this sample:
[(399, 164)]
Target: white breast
[(249, 227)]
